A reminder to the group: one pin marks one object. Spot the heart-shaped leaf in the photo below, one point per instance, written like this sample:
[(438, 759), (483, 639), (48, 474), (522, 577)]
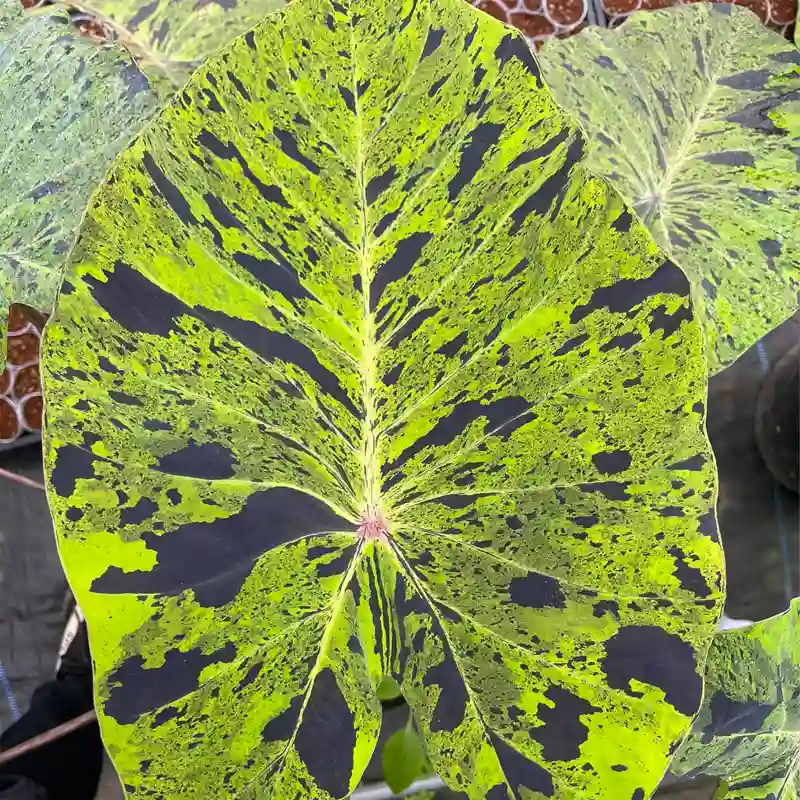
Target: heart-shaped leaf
[(67, 107), (403, 759), (388, 689), (171, 38), (694, 114), (359, 373), (748, 731)]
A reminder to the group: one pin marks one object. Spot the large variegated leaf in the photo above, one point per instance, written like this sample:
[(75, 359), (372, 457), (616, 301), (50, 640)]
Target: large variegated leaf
[(693, 113), (67, 107), (359, 373), (171, 38), (748, 731)]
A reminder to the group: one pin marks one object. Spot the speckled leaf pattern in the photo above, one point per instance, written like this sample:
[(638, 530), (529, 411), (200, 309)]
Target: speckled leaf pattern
[(67, 108), (359, 373), (748, 731), (694, 114), (171, 38)]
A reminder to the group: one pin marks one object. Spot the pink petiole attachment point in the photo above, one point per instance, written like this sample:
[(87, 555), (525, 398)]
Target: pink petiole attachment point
[(373, 526)]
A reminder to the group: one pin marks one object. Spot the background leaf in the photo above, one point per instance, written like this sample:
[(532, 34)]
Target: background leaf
[(748, 731), (693, 114), (403, 759), (358, 373), (171, 38), (388, 689), (67, 107)]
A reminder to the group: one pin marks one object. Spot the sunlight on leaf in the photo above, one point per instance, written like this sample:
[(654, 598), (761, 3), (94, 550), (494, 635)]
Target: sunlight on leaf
[(67, 107), (358, 373), (694, 114), (171, 38)]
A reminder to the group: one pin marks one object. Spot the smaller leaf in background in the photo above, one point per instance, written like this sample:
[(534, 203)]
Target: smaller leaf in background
[(694, 114), (171, 38), (67, 107), (388, 689), (747, 733), (403, 759)]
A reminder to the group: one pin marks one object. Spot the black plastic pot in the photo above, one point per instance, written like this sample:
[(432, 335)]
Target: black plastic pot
[(778, 420)]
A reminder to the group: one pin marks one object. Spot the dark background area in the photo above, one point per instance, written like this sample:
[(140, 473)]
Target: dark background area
[(758, 518)]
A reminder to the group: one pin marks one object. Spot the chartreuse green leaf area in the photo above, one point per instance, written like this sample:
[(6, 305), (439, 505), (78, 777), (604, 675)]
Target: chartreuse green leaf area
[(748, 731), (67, 107), (171, 38), (357, 372), (693, 114)]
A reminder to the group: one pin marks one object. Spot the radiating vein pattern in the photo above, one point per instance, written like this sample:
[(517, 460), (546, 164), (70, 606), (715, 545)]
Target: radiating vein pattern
[(358, 372), (694, 114), (748, 730)]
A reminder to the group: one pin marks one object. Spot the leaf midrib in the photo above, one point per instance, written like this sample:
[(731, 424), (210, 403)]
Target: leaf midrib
[(661, 193), (370, 349), (369, 449)]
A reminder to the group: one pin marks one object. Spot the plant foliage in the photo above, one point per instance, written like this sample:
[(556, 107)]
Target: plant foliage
[(693, 115), (388, 689), (67, 107), (171, 38), (403, 759), (748, 731), (357, 373)]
